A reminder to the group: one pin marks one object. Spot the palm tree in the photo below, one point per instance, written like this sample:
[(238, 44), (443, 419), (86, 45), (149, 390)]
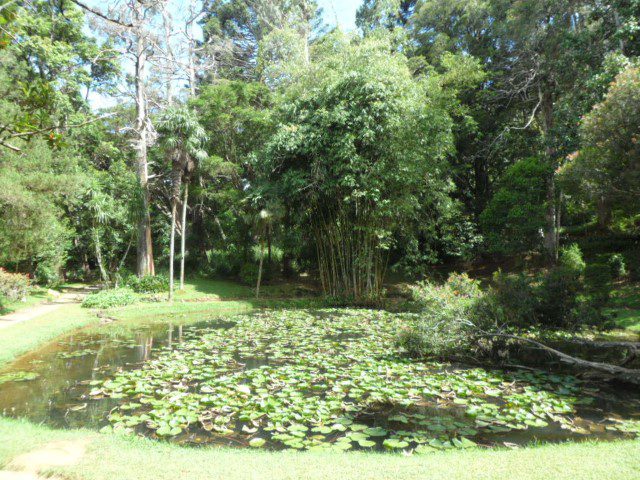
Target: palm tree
[(182, 138)]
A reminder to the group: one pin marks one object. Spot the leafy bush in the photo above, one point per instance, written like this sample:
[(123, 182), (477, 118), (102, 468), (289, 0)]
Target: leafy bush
[(13, 286), (571, 258), (223, 262), (148, 283), (516, 296), (598, 280), (617, 265), (514, 216), (47, 274), (117, 297), (632, 261), (249, 273), (557, 296), (449, 312)]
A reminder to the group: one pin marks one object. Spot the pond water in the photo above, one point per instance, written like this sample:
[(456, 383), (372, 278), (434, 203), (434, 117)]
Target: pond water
[(304, 380)]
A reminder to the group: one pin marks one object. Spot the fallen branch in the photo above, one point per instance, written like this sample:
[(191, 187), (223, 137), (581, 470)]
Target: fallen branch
[(614, 371)]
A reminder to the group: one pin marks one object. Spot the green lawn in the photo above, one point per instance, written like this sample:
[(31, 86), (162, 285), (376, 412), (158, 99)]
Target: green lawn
[(206, 289), (112, 456), (18, 339)]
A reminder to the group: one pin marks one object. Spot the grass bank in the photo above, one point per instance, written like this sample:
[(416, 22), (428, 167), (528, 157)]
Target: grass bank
[(113, 456), (18, 339)]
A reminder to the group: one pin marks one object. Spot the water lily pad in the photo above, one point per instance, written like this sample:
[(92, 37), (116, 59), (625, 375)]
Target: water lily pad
[(257, 442)]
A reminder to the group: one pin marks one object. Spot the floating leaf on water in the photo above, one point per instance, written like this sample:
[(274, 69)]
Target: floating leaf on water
[(19, 376), (376, 432), (392, 443), (257, 442)]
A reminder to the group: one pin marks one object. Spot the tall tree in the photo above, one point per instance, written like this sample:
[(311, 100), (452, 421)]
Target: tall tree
[(132, 25), (359, 140), (233, 30), (183, 139)]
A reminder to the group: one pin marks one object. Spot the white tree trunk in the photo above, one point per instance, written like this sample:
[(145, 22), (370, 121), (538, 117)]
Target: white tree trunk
[(183, 236), (172, 244)]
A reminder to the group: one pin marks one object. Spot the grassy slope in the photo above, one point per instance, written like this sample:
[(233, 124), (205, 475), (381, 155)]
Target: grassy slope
[(22, 337), (112, 456), (625, 304)]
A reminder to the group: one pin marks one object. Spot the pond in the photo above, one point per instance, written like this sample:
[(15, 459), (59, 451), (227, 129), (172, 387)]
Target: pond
[(326, 379)]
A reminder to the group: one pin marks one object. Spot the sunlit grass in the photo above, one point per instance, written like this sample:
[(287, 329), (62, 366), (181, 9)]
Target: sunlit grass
[(625, 306), (113, 456)]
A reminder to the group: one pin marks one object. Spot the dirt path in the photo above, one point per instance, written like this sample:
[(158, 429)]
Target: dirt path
[(32, 465), (65, 298)]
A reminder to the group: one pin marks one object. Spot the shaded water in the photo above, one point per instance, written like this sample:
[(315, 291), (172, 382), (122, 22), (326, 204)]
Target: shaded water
[(66, 368)]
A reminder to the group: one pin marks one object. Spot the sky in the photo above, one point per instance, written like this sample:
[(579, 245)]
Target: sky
[(342, 10)]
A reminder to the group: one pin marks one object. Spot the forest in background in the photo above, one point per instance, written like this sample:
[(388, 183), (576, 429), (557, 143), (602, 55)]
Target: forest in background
[(270, 145)]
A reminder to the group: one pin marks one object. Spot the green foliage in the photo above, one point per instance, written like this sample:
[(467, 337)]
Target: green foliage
[(559, 304), (517, 298), (632, 260), (607, 165), (35, 185), (598, 278), (358, 151), (148, 283), (48, 273), (618, 266), (249, 273), (571, 258), (117, 297), (515, 216), (13, 286), (223, 262), (557, 298), (448, 314)]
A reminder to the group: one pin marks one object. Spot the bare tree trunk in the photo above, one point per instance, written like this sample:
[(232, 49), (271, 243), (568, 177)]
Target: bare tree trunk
[(183, 235), (145, 245), (172, 245), (604, 212), (98, 250), (170, 60), (260, 268), (192, 49), (551, 231)]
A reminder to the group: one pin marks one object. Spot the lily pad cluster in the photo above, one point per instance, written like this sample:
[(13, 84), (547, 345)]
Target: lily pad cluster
[(326, 379), (20, 376)]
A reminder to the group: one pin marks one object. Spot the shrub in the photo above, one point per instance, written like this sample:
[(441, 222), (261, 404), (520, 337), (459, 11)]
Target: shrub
[(632, 261), (47, 274), (117, 297), (148, 283), (571, 258), (13, 286), (223, 262), (514, 216), (598, 280), (449, 313), (516, 297), (617, 265), (557, 298), (249, 274)]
